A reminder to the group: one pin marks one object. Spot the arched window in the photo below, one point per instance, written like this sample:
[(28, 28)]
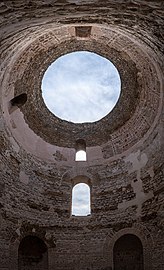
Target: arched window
[(80, 150), (81, 202), (81, 155), (32, 254), (128, 253)]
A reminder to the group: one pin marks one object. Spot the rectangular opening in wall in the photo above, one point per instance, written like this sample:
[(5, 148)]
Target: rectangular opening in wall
[(83, 31)]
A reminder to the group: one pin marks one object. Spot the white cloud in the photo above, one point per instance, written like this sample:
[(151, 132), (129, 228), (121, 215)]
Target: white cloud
[(81, 87)]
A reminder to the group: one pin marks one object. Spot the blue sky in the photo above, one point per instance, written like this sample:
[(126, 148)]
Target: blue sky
[(81, 87)]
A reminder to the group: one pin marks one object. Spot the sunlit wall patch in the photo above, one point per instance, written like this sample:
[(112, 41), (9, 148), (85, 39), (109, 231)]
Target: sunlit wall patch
[(81, 87)]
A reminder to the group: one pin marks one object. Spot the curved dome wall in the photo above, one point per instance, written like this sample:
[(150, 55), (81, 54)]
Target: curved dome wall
[(124, 166)]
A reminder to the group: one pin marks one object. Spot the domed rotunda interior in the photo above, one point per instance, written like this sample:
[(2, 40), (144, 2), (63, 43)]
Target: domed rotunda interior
[(83, 194)]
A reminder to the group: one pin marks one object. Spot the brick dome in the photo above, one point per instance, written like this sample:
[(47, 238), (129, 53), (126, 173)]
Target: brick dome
[(124, 166)]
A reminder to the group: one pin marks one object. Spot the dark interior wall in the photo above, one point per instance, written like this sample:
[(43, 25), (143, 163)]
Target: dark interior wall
[(128, 253), (32, 254)]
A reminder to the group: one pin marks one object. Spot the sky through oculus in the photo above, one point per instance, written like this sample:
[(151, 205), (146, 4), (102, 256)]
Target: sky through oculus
[(81, 87)]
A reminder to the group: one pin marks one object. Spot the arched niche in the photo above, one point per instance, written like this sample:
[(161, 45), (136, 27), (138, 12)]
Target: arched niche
[(32, 254), (128, 253), (140, 232), (80, 150)]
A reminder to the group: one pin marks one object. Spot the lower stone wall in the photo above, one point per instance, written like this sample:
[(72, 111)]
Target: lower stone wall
[(81, 248)]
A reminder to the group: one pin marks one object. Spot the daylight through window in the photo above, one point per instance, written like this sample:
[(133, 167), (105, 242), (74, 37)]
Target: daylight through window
[(80, 150), (81, 156), (81, 202)]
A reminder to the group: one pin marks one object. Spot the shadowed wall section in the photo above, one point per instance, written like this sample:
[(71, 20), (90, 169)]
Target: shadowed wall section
[(32, 254), (128, 253)]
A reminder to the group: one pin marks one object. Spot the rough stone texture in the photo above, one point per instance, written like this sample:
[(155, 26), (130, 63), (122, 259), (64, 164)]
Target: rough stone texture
[(125, 150)]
